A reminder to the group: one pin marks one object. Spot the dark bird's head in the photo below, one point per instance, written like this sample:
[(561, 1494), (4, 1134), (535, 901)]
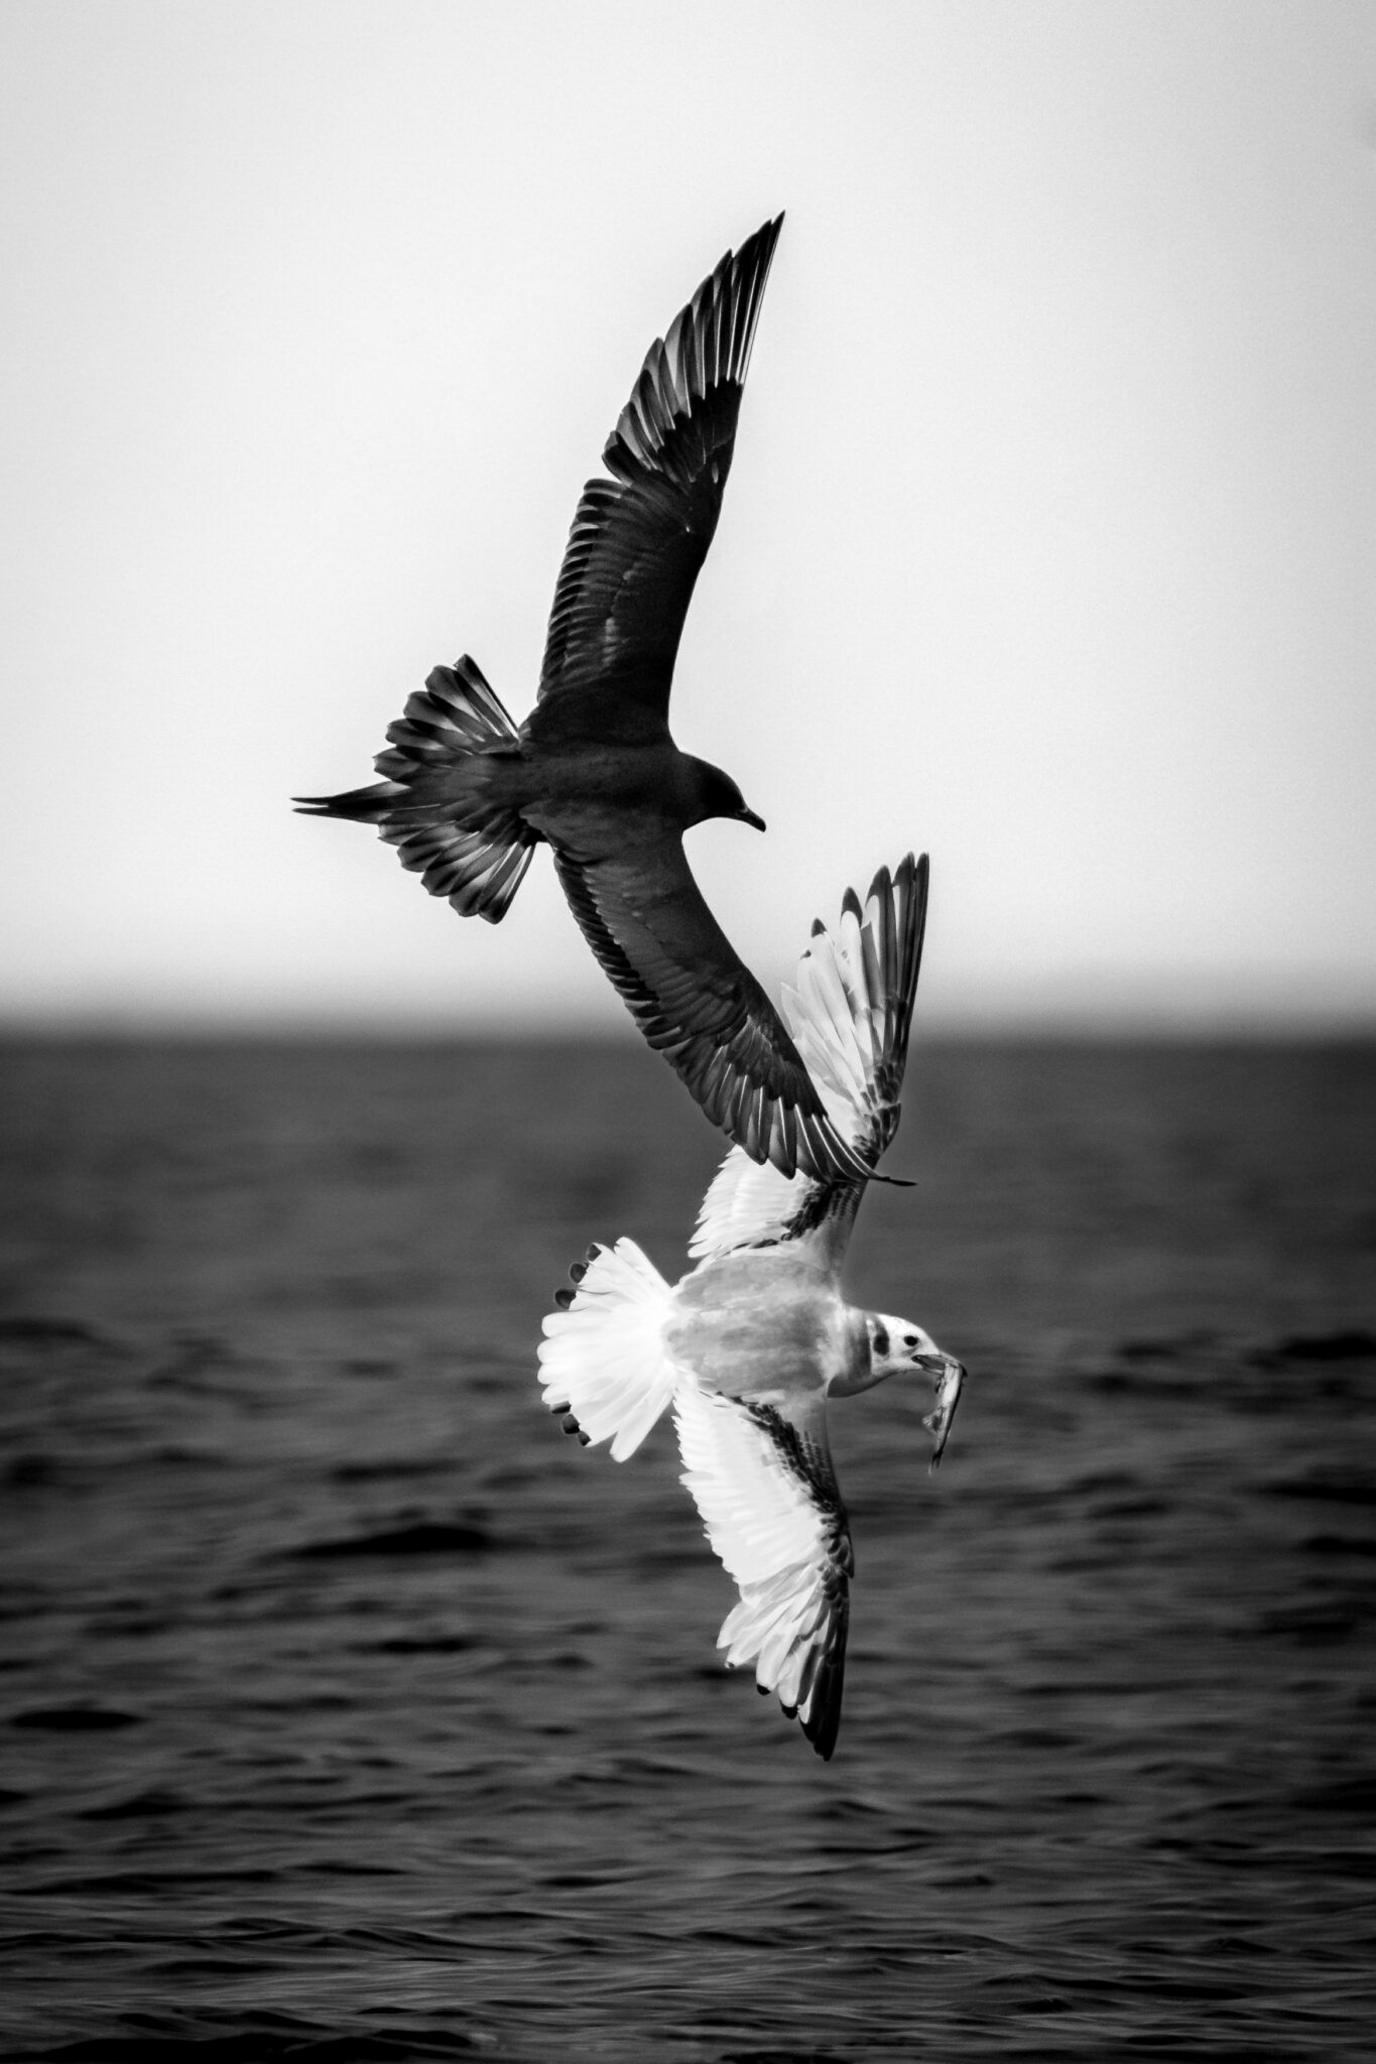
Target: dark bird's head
[(715, 794)]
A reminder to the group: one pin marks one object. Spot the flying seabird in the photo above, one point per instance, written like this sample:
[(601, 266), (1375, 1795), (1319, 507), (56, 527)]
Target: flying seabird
[(751, 1343), (466, 796)]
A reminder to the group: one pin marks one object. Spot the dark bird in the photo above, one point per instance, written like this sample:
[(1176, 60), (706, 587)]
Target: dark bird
[(466, 796), (749, 1346)]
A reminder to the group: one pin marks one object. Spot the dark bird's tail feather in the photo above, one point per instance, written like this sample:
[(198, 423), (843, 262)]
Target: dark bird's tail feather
[(443, 827), (457, 712)]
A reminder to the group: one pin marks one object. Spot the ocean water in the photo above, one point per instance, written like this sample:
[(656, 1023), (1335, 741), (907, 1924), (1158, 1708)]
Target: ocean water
[(349, 1711)]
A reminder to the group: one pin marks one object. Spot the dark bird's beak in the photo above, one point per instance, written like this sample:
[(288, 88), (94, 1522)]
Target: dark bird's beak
[(749, 817)]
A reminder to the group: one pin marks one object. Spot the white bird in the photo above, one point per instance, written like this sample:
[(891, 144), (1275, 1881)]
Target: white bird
[(751, 1343)]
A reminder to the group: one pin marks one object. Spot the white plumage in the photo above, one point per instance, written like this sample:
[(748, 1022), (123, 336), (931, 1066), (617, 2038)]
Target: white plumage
[(749, 1345), (605, 1351)]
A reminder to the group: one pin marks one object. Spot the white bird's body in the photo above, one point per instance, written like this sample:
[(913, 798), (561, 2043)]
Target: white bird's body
[(751, 1343)]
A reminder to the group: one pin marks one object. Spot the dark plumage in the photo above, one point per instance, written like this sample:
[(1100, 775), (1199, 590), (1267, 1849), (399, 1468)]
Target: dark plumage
[(465, 796)]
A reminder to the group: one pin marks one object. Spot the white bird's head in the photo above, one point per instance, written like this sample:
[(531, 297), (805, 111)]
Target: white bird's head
[(899, 1344)]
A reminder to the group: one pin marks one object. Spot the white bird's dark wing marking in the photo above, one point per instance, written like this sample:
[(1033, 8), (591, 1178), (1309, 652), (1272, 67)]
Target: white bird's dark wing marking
[(761, 1477), (639, 539), (696, 1002), (850, 1013)]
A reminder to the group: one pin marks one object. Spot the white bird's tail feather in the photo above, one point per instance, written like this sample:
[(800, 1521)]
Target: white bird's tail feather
[(602, 1361)]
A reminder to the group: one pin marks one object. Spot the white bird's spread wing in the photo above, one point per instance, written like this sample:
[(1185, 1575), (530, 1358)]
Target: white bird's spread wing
[(849, 1012), (762, 1479)]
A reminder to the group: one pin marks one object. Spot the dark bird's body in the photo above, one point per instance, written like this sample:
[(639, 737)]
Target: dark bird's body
[(594, 771)]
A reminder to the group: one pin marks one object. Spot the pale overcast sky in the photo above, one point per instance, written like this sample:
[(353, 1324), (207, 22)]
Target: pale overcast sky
[(1050, 545)]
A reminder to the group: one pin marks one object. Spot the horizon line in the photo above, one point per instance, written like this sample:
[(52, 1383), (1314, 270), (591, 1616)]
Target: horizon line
[(1070, 1026)]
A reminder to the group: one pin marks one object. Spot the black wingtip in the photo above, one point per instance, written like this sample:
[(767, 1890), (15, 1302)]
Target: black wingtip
[(823, 1725), (766, 237)]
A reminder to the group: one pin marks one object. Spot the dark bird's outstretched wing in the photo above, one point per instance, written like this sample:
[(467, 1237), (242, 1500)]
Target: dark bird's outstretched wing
[(696, 1001), (639, 539)]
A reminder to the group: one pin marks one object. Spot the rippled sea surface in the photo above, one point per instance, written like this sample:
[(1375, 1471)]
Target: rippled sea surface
[(349, 1711)]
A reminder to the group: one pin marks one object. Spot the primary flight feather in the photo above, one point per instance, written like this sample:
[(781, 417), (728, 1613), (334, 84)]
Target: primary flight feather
[(593, 771)]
